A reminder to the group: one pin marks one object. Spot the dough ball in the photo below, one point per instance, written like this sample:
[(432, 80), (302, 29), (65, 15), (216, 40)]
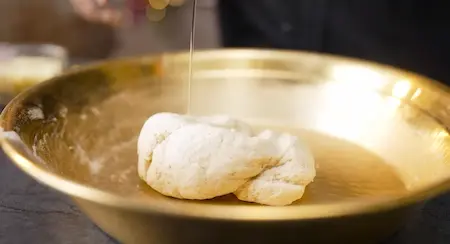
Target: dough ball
[(204, 157)]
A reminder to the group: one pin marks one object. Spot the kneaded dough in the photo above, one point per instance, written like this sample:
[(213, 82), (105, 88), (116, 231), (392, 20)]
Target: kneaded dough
[(204, 157), (286, 181)]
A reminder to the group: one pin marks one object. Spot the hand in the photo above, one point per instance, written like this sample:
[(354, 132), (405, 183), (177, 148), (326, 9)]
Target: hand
[(97, 11)]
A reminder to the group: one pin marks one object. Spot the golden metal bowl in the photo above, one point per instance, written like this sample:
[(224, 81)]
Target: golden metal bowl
[(378, 135)]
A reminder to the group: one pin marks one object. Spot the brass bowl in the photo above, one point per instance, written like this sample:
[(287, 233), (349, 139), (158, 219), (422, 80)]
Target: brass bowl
[(378, 135)]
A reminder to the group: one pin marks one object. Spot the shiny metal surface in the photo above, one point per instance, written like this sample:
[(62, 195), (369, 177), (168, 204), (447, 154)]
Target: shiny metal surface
[(378, 134)]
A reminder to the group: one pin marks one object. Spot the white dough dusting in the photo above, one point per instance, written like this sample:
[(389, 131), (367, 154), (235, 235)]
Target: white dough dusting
[(35, 113)]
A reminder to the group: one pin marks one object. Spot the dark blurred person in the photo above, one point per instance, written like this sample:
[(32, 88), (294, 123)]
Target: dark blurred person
[(53, 21)]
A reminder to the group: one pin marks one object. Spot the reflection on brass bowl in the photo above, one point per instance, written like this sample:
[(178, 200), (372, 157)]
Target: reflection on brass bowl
[(378, 135)]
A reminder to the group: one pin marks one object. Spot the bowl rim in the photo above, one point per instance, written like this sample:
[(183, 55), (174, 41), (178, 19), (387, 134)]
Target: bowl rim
[(182, 208)]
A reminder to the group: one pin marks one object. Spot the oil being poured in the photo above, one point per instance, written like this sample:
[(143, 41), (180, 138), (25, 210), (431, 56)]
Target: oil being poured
[(191, 54)]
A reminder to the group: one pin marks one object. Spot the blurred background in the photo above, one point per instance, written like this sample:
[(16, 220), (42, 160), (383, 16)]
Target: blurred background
[(39, 39), (55, 21)]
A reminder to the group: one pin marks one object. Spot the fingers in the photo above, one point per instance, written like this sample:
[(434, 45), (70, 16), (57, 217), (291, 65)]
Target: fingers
[(109, 16), (83, 6), (101, 2), (98, 10), (94, 10)]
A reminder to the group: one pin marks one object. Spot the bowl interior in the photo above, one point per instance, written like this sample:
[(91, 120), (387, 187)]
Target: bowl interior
[(375, 132)]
